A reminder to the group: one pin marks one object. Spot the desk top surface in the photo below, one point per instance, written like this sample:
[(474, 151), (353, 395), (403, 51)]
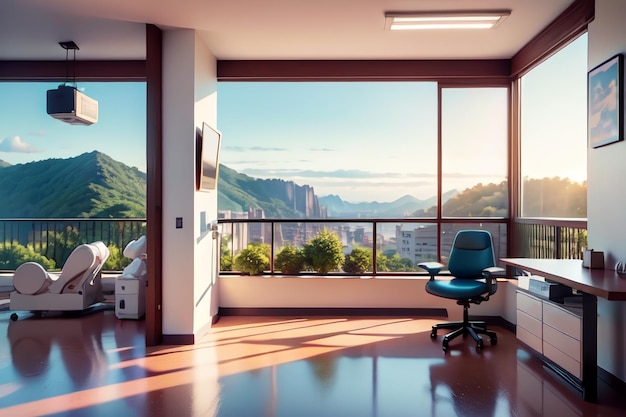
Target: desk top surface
[(604, 283)]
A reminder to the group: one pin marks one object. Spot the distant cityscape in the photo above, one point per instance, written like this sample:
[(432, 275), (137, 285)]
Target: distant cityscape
[(415, 241)]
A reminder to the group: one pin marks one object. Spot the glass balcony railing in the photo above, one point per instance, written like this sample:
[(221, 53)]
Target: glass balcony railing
[(23, 240)]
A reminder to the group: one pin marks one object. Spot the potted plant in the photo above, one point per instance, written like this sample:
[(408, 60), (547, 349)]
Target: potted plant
[(358, 261), (324, 252), (254, 259), (289, 260)]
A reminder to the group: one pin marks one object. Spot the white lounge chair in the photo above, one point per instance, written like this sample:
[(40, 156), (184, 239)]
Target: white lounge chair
[(77, 287)]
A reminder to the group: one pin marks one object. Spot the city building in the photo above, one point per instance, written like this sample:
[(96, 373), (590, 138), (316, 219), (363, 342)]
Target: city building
[(418, 244)]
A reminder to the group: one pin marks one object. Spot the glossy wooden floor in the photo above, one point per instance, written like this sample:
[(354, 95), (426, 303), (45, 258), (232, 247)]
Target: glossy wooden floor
[(96, 365)]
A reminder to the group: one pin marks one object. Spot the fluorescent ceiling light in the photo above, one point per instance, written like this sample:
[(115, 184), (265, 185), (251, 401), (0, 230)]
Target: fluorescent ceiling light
[(444, 20)]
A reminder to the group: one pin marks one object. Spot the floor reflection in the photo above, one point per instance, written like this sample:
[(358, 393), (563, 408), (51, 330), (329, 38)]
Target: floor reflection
[(404, 373), (50, 356), (275, 367), (467, 383), (76, 340)]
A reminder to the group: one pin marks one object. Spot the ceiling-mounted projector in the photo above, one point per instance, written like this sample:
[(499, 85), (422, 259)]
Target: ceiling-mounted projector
[(71, 106)]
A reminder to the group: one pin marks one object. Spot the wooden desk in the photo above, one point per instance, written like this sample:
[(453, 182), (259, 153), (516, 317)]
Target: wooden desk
[(592, 283)]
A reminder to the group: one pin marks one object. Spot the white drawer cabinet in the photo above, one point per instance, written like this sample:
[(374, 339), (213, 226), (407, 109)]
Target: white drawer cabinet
[(562, 319), (551, 330), (530, 339), (562, 331), (529, 321), (530, 305)]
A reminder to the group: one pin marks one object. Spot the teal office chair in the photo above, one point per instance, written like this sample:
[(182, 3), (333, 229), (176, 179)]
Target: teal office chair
[(473, 269)]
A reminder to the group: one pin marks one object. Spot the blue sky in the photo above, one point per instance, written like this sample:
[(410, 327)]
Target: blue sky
[(28, 133), (362, 141), (351, 139), (377, 141)]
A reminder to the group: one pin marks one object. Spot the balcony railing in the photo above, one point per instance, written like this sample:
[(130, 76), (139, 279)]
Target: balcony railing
[(395, 246), (549, 238), (414, 240), (56, 238)]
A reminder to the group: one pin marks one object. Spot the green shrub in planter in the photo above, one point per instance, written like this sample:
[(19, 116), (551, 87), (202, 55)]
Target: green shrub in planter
[(358, 261), (324, 252), (398, 264), (254, 259), (226, 262), (289, 260), (13, 255), (226, 257)]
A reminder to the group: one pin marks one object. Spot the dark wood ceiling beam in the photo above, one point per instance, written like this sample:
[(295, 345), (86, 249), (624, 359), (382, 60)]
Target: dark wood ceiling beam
[(84, 70), (567, 26), (360, 70)]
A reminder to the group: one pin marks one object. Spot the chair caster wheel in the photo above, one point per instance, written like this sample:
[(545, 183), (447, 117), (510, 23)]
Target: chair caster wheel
[(14, 317), (479, 344), (494, 341), (433, 335), (444, 345)]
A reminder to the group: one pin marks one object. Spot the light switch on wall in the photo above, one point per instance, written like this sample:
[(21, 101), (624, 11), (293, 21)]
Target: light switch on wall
[(179, 222)]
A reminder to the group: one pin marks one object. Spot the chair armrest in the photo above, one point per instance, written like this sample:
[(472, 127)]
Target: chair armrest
[(490, 275), (494, 272), (432, 268)]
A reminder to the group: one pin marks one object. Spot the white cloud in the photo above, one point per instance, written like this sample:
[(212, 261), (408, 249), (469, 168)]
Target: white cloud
[(16, 144)]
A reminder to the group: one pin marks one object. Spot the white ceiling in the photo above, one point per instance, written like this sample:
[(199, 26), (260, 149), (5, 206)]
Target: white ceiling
[(263, 29)]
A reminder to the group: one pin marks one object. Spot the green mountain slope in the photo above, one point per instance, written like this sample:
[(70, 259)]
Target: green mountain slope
[(94, 185), (89, 185), (559, 197), (239, 192)]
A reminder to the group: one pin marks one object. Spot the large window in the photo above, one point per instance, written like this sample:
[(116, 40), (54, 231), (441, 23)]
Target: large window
[(60, 185), (554, 135), (65, 184), (362, 149), (365, 156), (474, 152)]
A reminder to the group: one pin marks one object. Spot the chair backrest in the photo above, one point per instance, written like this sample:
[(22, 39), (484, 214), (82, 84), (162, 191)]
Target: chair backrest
[(471, 252), (80, 267)]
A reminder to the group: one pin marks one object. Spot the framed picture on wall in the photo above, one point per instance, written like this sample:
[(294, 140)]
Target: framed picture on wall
[(605, 109)]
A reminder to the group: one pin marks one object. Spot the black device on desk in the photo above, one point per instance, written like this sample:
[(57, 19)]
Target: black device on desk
[(549, 290)]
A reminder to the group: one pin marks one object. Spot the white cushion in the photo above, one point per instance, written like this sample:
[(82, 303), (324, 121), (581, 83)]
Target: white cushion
[(102, 251), (136, 269), (31, 278), (136, 248)]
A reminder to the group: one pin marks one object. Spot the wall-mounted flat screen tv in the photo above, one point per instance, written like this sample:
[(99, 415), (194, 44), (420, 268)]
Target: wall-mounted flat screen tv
[(207, 158)]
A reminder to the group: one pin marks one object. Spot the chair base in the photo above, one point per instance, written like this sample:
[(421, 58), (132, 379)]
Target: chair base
[(465, 327)]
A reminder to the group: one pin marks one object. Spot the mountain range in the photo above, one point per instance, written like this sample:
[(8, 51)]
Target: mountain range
[(276, 197), (95, 185), (89, 185), (402, 207)]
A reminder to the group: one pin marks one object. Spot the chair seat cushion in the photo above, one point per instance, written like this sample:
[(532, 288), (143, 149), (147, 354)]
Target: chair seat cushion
[(456, 288)]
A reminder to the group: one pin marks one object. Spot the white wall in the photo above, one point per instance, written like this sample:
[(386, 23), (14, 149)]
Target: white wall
[(205, 203), (189, 98), (312, 292), (606, 201)]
